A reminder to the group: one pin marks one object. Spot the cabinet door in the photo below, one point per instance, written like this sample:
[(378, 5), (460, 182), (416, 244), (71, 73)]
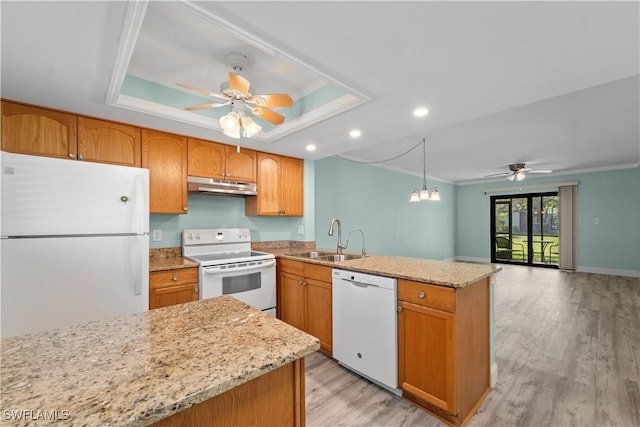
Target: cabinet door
[(319, 314), (240, 166), (292, 175), (38, 131), (165, 155), (292, 307), (108, 142), (426, 355), (172, 295), (206, 159), (267, 201)]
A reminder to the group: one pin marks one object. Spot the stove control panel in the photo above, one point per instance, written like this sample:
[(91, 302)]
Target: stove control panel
[(212, 236)]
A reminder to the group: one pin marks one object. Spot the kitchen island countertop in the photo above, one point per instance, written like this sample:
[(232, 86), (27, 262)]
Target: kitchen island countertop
[(445, 273), (138, 369)]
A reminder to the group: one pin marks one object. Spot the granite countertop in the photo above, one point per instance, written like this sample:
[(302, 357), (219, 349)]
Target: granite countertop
[(139, 369), (445, 273), (162, 259)]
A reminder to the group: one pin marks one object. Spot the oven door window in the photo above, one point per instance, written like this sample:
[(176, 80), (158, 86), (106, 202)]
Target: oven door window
[(237, 284)]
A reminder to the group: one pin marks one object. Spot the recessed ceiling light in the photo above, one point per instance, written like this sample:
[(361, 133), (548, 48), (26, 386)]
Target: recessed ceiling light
[(311, 147), (420, 112), (355, 133)]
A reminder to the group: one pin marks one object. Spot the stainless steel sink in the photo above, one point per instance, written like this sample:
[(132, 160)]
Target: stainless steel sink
[(327, 256), (312, 254), (340, 257)]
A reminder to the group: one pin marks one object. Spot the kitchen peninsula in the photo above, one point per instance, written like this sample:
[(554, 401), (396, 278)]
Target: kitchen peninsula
[(443, 319), (190, 363)]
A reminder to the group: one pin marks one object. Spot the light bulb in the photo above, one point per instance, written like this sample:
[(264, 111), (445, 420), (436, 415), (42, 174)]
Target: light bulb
[(424, 194), (435, 194), (415, 197)]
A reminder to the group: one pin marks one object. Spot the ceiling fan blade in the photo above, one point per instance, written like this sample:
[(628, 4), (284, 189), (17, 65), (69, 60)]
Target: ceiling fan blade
[(272, 100), (268, 115), (540, 171), (206, 92), (204, 106), (498, 174), (240, 84)]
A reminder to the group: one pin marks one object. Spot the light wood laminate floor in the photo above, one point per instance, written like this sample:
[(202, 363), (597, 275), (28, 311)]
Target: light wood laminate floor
[(567, 349)]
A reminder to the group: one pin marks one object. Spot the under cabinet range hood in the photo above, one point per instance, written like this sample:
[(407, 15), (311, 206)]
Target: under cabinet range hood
[(220, 187)]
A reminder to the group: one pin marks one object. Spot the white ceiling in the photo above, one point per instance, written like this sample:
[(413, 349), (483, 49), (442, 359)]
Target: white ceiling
[(552, 84)]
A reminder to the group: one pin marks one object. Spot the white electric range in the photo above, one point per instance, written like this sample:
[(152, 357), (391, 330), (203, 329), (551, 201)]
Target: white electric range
[(228, 266)]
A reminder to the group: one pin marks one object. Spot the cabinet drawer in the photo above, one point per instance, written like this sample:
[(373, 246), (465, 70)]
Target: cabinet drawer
[(290, 266), (318, 272), (161, 279), (439, 297)]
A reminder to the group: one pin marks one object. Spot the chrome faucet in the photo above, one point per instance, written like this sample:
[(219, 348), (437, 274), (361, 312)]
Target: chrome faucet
[(364, 251), (340, 246)]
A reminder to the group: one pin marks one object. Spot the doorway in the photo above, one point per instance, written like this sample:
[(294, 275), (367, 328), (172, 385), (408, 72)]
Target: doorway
[(524, 229)]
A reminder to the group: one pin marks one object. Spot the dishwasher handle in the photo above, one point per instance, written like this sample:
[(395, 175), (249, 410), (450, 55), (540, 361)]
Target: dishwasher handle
[(358, 283)]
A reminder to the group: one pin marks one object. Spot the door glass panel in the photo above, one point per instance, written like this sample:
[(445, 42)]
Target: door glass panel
[(525, 229)]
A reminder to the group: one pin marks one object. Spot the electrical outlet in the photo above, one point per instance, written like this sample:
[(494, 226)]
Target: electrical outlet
[(157, 235), (301, 229)]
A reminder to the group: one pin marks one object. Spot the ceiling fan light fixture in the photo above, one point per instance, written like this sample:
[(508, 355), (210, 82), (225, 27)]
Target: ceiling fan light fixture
[(519, 176), (250, 127), (230, 122)]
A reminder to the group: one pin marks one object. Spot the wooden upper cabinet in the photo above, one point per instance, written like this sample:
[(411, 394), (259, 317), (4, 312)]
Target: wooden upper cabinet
[(165, 155), (292, 176), (38, 131), (220, 161), (280, 187), (206, 159), (240, 166), (108, 142)]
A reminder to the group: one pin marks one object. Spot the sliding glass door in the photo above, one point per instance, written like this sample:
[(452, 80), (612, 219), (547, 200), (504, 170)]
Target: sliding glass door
[(524, 229)]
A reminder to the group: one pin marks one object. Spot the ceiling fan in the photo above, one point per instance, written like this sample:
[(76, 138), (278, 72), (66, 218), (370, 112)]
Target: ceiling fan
[(236, 93), (518, 171)]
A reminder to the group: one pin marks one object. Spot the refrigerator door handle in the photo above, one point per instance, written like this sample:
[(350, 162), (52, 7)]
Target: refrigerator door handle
[(137, 266), (142, 204)]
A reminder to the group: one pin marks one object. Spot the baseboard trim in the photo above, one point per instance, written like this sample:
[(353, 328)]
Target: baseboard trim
[(608, 271), (494, 375)]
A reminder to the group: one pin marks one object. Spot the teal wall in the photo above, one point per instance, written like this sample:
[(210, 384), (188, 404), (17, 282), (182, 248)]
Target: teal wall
[(612, 196), (377, 201), (228, 212)]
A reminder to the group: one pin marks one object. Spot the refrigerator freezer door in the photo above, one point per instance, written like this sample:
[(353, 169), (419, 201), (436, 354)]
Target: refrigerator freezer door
[(50, 283), (45, 196)]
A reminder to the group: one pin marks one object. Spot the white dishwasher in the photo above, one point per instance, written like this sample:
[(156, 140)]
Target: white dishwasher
[(365, 329)]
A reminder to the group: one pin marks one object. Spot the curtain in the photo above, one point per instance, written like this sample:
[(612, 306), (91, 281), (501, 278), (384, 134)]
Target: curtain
[(568, 227)]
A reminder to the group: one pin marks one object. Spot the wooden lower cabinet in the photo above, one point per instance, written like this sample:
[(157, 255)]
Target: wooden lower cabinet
[(273, 399), (173, 287), (443, 347), (305, 299)]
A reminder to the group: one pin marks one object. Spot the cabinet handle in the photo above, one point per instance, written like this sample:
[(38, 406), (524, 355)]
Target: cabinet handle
[(399, 309), (185, 209), (421, 295), (196, 290), (81, 157), (175, 277), (304, 283), (72, 155), (301, 283)]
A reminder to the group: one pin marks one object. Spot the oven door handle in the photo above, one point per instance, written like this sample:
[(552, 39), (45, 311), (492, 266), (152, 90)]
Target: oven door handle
[(217, 270)]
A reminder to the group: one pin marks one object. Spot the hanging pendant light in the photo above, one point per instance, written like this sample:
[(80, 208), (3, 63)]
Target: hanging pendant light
[(424, 192)]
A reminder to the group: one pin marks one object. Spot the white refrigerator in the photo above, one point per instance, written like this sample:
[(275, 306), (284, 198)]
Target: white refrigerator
[(74, 242)]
